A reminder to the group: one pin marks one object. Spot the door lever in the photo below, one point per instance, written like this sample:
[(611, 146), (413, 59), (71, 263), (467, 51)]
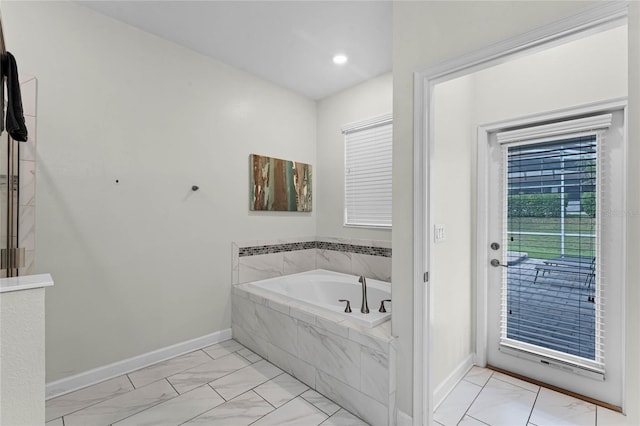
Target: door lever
[(496, 263)]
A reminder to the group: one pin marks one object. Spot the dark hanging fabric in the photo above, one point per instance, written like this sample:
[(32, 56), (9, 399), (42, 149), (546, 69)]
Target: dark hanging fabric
[(15, 124)]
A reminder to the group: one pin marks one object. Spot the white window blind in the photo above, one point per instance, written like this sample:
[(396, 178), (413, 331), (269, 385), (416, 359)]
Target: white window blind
[(552, 303), (368, 147)]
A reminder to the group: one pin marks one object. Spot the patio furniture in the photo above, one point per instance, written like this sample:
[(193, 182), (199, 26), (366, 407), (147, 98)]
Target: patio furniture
[(576, 265)]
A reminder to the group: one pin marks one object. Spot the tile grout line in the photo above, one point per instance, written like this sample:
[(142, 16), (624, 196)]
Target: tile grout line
[(206, 383), (534, 405), (95, 402), (210, 409), (476, 397), (283, 406), (264, 415), (174, 388), (510, 383), (297, 396), (330, 415), (477, 420), (257, 393), (217, 393), (205, 411), (321, 410), (147, 408), (176, 396), (480, 421), (130, 381), (165, 361), (206, 353), (225, 375)]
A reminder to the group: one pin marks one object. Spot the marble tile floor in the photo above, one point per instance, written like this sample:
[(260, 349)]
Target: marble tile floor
[(223, 384), (487, 397)]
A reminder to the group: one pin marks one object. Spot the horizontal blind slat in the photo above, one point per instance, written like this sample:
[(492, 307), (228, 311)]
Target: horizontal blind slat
[(546, 304), (368, 174)]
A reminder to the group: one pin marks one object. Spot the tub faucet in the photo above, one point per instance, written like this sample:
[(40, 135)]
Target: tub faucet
[(365, 306)]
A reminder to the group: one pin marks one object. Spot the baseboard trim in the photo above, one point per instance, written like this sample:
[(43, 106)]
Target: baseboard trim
[(404, 419), (100, 374), (452, 380)]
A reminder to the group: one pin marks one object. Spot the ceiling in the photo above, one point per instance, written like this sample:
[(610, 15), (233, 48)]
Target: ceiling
[(290, 43)]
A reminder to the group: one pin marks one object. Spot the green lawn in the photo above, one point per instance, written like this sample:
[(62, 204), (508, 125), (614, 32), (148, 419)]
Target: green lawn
[(572, 224), (549, 246)]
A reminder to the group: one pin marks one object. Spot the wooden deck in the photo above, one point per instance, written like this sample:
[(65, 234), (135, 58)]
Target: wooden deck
[(553, 310)]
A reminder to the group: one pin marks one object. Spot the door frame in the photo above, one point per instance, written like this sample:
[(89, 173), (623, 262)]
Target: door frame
[(590, 20), (482, 231)]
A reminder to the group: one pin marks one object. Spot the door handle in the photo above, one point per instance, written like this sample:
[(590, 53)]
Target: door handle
[(496, 263)]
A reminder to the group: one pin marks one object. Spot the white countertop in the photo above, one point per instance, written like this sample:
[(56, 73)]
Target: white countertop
[(25, 283)]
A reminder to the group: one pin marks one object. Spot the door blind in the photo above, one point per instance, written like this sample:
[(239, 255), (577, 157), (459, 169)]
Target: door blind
[(368, 150), (552, 302)]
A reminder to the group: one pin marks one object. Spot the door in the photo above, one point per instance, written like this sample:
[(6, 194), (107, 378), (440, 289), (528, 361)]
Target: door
[(556, 256)]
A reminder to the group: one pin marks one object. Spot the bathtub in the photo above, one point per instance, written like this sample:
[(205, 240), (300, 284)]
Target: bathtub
[(296, 323), (323, 289)]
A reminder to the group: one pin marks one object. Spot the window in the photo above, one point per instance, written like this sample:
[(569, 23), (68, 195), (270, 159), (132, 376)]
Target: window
[(368, 146)]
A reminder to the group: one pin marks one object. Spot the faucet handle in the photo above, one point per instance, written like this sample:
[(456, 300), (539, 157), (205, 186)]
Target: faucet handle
[(382, 309), (347, 309)]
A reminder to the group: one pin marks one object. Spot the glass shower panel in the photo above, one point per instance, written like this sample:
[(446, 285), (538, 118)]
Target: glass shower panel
[(4, 148)]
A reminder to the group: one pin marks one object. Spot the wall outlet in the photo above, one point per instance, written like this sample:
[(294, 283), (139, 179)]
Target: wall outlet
[(438, 233)]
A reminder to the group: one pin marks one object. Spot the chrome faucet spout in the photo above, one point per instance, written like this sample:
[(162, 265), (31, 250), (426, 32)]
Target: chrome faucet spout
[(365, 306)]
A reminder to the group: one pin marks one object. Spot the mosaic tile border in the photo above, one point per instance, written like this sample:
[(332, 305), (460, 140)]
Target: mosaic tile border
[(322, 245), (354, 248), (275, 248)]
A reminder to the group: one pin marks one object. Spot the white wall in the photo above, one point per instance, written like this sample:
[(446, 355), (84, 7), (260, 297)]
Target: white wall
[(145, 263), (632, 313), (366, 100), (586, 70), (452, 310), (427, 33)]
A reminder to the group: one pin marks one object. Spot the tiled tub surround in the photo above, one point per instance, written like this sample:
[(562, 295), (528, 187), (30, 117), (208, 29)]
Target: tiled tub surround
[(348, 363), (258, 260)]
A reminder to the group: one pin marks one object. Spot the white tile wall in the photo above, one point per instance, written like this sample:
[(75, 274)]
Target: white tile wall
[(254, 268), (331, 260), (263, 266), (299, 261), (375, 382), (376, 267)]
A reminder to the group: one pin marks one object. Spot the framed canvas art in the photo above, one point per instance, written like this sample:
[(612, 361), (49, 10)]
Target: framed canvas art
[(280, 185)]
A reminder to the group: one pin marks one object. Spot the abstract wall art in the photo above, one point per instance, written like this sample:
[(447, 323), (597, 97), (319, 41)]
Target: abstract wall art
[(280, 185)]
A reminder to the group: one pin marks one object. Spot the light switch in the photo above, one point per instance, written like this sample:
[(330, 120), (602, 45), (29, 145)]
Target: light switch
[(438, 233)]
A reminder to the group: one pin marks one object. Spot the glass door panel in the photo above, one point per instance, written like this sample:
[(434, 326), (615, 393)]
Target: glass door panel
[(551, 218), (3, 195)]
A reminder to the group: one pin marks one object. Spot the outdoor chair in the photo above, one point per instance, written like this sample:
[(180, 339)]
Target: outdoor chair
[(575, 265)]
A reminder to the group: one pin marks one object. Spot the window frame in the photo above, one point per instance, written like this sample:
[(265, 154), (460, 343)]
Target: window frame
[(352, 128)]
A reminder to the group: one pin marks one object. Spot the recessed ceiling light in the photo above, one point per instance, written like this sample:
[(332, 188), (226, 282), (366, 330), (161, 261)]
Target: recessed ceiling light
[(340, 59)]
